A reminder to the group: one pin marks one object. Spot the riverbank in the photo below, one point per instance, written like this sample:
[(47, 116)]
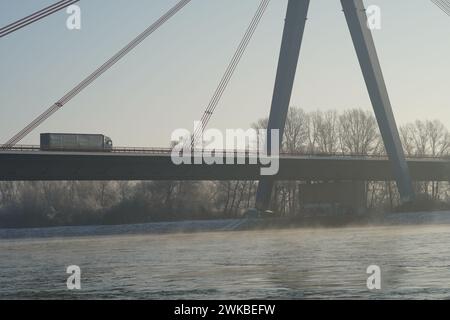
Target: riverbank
[(413, 218)]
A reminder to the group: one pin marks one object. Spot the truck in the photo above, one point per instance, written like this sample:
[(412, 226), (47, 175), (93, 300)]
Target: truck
[(75, 142)]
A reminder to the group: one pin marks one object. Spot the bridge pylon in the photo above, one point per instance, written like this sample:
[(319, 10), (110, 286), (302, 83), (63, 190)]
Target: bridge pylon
[(361, 35)]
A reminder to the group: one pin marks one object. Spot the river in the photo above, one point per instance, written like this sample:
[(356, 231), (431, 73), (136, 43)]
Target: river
[(267, 264)]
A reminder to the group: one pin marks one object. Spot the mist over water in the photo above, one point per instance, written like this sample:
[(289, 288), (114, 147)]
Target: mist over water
[(279, 264)]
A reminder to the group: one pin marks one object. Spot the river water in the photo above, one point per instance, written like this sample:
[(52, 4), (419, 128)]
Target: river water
[(278, 264)]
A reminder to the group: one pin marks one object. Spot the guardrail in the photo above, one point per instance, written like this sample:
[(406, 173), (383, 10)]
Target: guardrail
[(149, 150)]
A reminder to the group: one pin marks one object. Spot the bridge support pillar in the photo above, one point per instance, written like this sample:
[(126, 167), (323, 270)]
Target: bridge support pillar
[(287, 65)]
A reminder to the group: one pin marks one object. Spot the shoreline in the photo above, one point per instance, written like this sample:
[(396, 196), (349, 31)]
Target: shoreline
[(226, 225)]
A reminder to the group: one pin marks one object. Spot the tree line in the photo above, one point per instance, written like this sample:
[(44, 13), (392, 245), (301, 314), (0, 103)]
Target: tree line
[(353, 131)]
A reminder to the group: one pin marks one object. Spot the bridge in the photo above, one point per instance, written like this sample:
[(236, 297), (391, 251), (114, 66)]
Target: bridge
[(32, 164), (17, 163)]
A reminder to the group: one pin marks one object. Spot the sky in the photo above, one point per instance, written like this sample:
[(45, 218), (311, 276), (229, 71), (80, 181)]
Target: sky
[(168, 80)]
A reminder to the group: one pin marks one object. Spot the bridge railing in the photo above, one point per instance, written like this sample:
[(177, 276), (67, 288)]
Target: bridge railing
[(20, 148), (244, 153)]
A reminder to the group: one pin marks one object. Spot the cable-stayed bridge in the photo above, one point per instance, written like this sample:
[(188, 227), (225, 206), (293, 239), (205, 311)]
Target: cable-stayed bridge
[(30, 163)]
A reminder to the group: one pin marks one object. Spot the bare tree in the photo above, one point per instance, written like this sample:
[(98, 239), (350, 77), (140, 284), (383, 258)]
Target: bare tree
[(296, 131), (359, 132), (324, 132)]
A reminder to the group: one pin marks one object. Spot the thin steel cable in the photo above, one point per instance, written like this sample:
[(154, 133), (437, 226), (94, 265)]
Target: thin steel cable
[(228, 73), (32, 16), (21, 23), (443, 5), (236, 58)]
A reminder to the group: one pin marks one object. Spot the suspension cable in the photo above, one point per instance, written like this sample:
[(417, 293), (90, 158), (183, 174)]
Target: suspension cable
[(444, 5), (21, 23), (228, 73), (97, 73)]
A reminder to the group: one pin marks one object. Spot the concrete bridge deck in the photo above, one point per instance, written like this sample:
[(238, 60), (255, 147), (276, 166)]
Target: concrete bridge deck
[(31, 164)]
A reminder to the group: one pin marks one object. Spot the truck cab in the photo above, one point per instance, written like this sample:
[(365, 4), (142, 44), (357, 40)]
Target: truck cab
[(108, 144)]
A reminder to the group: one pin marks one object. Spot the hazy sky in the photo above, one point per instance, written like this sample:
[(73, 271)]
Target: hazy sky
[(167, 81)]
